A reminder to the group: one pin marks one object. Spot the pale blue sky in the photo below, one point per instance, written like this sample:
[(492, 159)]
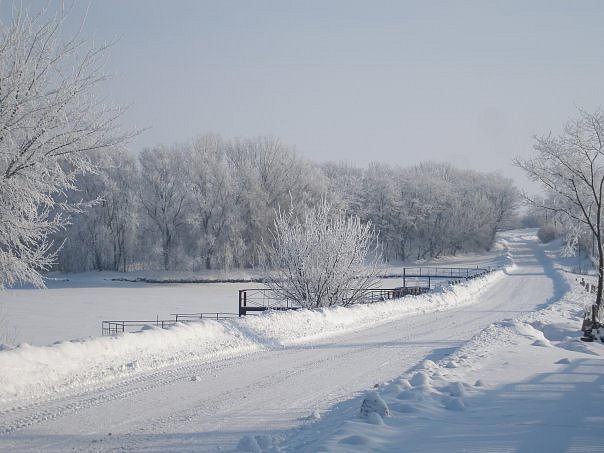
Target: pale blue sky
[(463, 81)]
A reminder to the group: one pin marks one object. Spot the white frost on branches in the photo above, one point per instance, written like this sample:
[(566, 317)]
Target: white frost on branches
[(323, 259), (570, 167), (49, 121)]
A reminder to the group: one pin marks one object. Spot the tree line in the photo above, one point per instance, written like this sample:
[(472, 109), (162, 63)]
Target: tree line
[(73, 199), (212, 204)]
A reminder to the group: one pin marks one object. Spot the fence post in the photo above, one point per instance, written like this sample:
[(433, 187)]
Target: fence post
[(242, 302)]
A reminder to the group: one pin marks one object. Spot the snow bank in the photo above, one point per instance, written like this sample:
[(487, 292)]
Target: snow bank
[(531, 371), (32, 372), (295, 327)]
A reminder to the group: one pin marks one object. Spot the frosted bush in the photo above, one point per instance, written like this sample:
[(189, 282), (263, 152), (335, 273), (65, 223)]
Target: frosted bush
[(323, 259)]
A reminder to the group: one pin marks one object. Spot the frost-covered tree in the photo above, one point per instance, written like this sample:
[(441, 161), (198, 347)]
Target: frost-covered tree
[(269, 176), (431, 209), (343, 185), (570, 167), (49, 121), (163, 196), (322, 259), (214, 200), (121, 212), (381, 205), (103, 236)]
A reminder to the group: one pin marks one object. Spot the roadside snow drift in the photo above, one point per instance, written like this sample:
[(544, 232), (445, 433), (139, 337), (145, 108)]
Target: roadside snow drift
[(35, 372), (522, 384)]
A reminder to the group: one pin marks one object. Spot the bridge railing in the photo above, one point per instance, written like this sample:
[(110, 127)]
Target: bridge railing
[(416, 280), (444, 272), (452, 274), (262, 299)]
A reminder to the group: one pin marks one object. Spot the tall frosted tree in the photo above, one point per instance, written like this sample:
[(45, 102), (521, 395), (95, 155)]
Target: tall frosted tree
[(270, 176), (49, 121), (163, 196), (103, 236), (214, 197), (570, 166)]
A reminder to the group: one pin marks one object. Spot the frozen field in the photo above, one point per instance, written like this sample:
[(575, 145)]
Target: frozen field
[(74, 309), (492, 365)]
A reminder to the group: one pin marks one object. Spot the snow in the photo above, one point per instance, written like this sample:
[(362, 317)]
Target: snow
[(68, 364), (73, 305), (491, 365), (522, 384), (299, 327), (33, 372)]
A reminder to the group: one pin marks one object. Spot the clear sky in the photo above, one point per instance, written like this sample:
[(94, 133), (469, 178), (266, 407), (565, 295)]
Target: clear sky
[(468, 82)]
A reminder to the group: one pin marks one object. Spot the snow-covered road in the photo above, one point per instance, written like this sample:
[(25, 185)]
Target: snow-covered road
[(211, 405)]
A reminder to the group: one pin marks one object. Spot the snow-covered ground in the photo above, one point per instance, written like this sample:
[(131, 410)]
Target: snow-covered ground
[(74, 309), (524, 384), (491, 365), (73, 305)]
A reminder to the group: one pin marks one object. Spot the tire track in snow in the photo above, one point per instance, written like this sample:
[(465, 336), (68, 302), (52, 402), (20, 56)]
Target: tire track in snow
[(26, 415)]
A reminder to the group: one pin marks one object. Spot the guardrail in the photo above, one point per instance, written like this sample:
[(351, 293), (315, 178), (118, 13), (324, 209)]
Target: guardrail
[(262, 299), (115, 327)]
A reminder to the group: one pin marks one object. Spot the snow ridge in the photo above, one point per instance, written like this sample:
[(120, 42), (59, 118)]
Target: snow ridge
[(32, 372)]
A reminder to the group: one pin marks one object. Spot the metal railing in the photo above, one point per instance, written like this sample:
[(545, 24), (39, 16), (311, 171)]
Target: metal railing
[(451, 273), (416, 280), (262, 299), (191, 317), (115, 327)]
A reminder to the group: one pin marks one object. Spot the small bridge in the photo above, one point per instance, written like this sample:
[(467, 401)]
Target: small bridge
[(262, 299), (416, 280)]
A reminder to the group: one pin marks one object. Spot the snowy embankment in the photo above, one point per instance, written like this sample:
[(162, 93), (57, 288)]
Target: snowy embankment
[(524, 384), (32, 372)]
